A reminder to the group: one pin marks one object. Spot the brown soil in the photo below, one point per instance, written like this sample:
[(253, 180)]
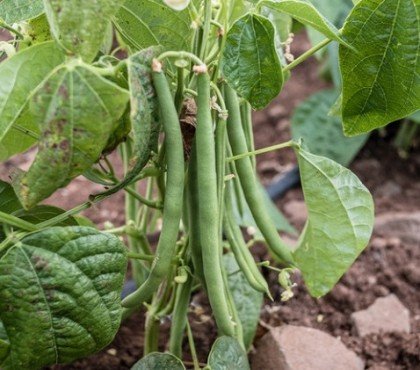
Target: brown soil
[(382, 269)]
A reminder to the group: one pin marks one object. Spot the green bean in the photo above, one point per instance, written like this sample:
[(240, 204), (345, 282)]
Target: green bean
[(172, 210), (179, 317), (239, 248), (208, 208), (246, 116), (248, 180)]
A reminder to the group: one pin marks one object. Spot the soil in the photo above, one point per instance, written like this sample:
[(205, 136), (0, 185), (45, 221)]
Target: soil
[(382, 269)]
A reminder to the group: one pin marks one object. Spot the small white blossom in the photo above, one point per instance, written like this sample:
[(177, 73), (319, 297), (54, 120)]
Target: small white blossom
[(177, 4)]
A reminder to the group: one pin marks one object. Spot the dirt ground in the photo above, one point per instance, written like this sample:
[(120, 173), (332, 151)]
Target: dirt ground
[(382, 269)]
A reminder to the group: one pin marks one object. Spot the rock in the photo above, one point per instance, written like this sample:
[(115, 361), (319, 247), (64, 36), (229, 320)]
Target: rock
[(291, 347), (404, 226), (412, 273), (297, 211), (386, 314)]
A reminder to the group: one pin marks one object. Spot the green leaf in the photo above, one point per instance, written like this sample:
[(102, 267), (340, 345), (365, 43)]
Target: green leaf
[(21, 75), (9, 203), (227, 354), (60, 295), (250, 62), (43, 213), (304, 12), (381, 81), (415, 117), (14, 11), (4, 343), (323, 134), (144, 23), (76, 110), (80, 26), (144, 114), (340, 222), (159, 361), (247, 300)]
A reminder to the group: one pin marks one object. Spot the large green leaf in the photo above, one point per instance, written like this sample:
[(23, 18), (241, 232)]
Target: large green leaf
[(306, 13), (20, 76), (9, 203), (247, 300), (381, 80), (60, 295), (144, 23), (76, 110), (79, 25), (159, 361), (227, 354), (322, 133), (341, 215), (13, 11), (250, 62)]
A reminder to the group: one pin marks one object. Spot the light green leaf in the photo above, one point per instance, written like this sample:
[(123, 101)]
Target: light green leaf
[(247, 300), (14, 11), (21, 75), (304, 12), (341, 215), (159, 361), (381, 81), (250, 62), (76, 110), (144, 23), (322, 133), (60, 295), (227, 354), (79, 25)]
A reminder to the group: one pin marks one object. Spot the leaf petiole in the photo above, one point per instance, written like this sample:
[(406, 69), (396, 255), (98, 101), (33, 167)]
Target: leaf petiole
[(268, 149)]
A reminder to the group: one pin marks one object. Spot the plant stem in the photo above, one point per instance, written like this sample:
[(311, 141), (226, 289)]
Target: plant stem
[(140, 256), (192, 347), (11, 29), (306, 55), (268, 149), (141, 199), (17, 222), (206, 27), (64, 216), (181, 55)]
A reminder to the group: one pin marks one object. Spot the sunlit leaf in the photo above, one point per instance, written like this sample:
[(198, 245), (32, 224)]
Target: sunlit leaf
[(13, 11)]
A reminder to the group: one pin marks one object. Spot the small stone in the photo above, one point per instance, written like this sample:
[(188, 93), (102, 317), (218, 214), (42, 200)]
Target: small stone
[(386, 314), (297, 211), (291, 347), (412, 273), (404, 226), (112, 351)]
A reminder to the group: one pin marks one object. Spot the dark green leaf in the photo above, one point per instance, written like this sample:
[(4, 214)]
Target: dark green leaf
[(144, 23), (159, 361), (4, 343), (21, 75), (60, 295), (227, 354), (14, 11), (80, 26), (304, 12), (250, 62), (9, 203), (381, 81), (247, 300), (43, 213), (76, 110), (341, 215), (323, 134)]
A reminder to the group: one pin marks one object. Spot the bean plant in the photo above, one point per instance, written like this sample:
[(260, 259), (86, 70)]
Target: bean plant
[(169, 88)]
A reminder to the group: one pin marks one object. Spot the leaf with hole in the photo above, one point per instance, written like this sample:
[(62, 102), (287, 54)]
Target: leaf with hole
[(14, 11), (144, 23), (76, 110), (247, 300), (250, 62), (322, 133), (60, 295), (80, 32), (381, 80), (159, 361), (340, 222), (227, 354)]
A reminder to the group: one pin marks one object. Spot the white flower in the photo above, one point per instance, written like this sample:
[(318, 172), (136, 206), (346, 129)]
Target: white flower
[(177, 4)]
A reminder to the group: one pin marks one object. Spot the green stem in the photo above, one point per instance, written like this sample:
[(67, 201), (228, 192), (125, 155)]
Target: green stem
[(64, 216), (140, 256), (268, 149), (192, 347), (141, 199), (181, 55), (17, 222), (306, 55), (206, 27), (11, 29)]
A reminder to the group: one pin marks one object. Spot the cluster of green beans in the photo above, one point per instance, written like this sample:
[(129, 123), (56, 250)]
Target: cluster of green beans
[(206, 211)]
